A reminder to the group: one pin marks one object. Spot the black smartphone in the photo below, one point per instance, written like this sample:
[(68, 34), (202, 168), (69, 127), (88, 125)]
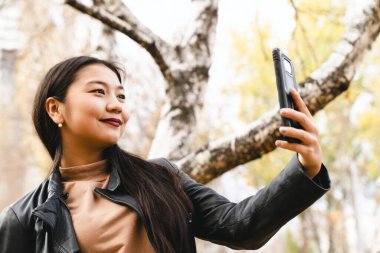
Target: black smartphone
[(285, 79)]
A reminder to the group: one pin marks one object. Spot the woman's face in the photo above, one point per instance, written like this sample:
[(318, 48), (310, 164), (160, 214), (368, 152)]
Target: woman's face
[(94, 112)]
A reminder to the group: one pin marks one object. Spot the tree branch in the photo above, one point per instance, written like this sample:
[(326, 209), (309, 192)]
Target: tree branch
[(190, 71), (202, 33), (323, 86), (125, 22)]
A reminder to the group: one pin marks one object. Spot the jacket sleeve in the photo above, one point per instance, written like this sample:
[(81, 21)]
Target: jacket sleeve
[(250, 223), (13, 236)]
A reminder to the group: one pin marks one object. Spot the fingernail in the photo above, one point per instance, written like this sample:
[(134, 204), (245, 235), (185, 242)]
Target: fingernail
[(282, 129), (278, 143), (284, 110)]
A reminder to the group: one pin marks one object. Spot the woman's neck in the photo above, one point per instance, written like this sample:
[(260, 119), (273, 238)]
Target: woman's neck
[(71, 158)]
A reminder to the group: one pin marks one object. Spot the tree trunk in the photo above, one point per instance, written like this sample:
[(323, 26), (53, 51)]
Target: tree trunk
[(106, 43)]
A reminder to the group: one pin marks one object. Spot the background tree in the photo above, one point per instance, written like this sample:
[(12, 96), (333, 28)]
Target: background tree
[(200, 111)]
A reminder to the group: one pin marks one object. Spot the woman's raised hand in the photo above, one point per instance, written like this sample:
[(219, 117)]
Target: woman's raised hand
[(309, 151)]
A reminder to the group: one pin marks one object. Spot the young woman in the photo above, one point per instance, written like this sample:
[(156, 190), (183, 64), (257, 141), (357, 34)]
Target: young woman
[(99, 198)]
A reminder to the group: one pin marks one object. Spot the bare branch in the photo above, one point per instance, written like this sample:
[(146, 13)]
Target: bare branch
[(190, 71), (324, 85), (125, 22), (202, 32), (221, 155)]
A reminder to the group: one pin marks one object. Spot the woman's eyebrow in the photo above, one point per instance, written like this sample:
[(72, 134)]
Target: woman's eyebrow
[(120, 87)]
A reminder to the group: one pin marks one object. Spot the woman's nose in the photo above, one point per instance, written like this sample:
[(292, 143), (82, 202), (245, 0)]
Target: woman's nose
[(114, 105)]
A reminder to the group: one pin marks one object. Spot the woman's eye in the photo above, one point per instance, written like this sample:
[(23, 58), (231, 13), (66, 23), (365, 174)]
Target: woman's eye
[(121, 96), (99, 91)]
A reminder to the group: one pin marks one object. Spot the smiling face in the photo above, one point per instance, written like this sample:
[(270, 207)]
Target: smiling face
[(93, 113)]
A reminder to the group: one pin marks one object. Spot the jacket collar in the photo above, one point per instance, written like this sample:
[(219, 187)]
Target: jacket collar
[(55, 192), (52, 213), (55, 182), (114, 181), (50, 209)]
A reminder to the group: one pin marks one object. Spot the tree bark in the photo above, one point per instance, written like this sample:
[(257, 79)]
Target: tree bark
[(185, 67), (107, 41)]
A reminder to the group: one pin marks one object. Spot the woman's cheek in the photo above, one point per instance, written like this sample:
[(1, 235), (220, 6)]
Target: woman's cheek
[(125, 115)]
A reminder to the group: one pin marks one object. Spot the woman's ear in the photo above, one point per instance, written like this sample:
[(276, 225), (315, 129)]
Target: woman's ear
[(54, 108)]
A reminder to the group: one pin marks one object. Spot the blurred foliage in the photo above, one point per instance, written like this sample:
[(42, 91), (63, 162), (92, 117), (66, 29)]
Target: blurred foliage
[(368, 120), (291, 244)]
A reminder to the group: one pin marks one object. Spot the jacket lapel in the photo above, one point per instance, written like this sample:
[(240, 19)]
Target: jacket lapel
[(56, 215)]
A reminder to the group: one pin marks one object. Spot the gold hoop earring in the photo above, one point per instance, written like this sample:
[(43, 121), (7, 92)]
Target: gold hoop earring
[(60, 125)]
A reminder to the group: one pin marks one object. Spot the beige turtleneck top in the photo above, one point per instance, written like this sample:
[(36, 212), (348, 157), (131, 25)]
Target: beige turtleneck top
[(101, 225)]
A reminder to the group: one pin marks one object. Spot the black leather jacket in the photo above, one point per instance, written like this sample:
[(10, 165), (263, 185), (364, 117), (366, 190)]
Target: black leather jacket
[(40, 222)]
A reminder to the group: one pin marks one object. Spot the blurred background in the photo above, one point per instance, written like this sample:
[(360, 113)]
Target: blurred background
[(34, 35)]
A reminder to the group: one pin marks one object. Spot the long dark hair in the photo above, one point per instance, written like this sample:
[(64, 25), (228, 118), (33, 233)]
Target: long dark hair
[(157, 189)]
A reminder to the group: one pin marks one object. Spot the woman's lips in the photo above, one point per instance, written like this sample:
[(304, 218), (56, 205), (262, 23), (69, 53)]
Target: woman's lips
[(112, 122)]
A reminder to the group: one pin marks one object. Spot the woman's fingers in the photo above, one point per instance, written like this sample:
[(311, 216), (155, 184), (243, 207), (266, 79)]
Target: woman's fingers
[(299, 102), (298, 148), (301, 115), (305, 137), (305, 121)]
